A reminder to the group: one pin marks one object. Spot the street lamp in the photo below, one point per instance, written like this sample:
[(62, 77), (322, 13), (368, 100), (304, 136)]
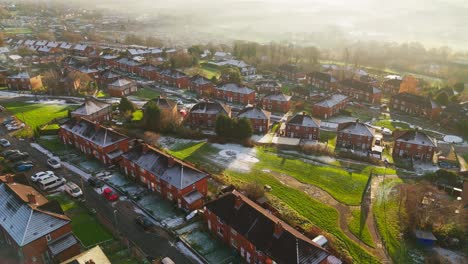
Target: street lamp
[(115, 217)]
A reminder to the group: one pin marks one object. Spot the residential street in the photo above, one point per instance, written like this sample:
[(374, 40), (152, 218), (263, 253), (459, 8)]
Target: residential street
[(155, 244)]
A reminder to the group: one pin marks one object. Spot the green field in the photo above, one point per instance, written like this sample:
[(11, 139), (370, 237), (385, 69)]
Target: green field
[(392, 125), (146, 93), (85, 225), (354, 224), (389, 221), (53, 144), (35, 115), (296, 205)]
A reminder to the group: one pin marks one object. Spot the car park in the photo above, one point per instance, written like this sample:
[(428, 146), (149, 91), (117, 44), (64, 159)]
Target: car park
[(144, 222), (95, 182), (110, 195), (42, 175), (4, 143), (54, 163), (24, 167), (73, 190)]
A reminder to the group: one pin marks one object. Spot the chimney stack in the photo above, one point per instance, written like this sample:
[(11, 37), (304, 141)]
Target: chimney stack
[(32, 198), (9, 178), (278, 229), (171, 162), (145, 148), (238, 202)]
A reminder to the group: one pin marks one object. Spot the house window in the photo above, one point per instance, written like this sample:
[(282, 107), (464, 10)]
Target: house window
[(169, 196), (48, 238), (220, 231), (233, 243), (219, 219), (234, 232)]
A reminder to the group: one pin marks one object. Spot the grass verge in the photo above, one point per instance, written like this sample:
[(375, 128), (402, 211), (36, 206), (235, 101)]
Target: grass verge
[(354, 224)]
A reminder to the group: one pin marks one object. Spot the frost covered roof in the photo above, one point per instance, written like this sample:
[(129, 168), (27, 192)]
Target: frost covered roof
[(91, 106)]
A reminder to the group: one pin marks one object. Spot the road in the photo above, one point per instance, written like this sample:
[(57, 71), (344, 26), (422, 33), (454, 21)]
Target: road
[(155, 244)]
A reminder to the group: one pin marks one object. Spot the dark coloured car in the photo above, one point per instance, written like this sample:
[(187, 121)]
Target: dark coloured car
[(94, 182), (10, 152), (144, 222), (18, 156), (23, 162)]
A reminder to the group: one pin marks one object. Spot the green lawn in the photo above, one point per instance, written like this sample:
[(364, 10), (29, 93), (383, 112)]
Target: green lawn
[(203, 70), (146, 93), (293, 204), (85, 225), (35, 115), (392, 125), (101, 94), (354, 224), (330, 137), (389, 221), (137, 115), (53, 144)]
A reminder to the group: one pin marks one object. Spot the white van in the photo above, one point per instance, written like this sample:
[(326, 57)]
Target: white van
[(51, 183)]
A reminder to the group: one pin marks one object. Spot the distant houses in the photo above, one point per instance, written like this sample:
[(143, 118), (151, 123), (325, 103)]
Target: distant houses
[(201, 85), (204, 114), (277, 102), (321, 80), (235, 93), (23, 81), (416, 105), (360, 91)]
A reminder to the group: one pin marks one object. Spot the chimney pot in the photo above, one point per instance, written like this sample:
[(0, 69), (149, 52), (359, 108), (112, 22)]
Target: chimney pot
[(171, 162), (9, 178), (278, 229), (32, 198)]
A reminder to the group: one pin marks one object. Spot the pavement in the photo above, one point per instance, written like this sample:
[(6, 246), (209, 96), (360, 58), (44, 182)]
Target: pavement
[(158, 243)]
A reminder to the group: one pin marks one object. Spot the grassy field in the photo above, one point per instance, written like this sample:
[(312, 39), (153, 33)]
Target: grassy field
[(85, 225), (293, 204), (392, 125), (145, 93), (354, 224), (53, 144), (35, 115), (389, 222)]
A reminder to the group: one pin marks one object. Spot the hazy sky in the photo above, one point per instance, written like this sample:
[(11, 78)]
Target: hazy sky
[(433, 22)]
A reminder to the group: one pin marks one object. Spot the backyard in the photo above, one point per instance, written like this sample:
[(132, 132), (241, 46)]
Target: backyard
[(297, 206), (146, 93), (34, 115)]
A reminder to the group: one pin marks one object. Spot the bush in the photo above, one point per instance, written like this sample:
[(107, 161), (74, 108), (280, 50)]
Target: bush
[(254, 190), (319, 149)]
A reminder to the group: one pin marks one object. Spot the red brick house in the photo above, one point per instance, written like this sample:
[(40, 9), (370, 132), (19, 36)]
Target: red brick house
[(175, 78), (173, 179), (259, 118), (321, 80), (108, 77), (288, 71), (303, 126), (355, 136), (109, 60), (391, 86), (360, 91), (150, 72), (94, 110), (234, 93), (330, 106), (201, 85), (257, 234), (23, 81), (33, 227), (122, 87), (268, 86), (82, 50), (168, 107), (128, 65), (204, 113), (277, 102), (94, 140), (416, 105), (413, 144)]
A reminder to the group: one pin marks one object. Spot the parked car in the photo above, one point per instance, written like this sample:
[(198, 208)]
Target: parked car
[(14, 127), (51, 182), (41, 175), (110, 195), (4, 143), (54, 163), (10, 152), (73, 190), (18, 156), (144, 222), (22, 162), (95, 182), (8, 120), (24, 167)]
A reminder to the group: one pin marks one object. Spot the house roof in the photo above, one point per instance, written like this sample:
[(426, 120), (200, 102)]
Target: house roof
[(99, 135), (254, 112), (199, 80), (80, 47), (53, 44), (91, 106), (4, 50), (356, 128), (302, 119), (281, 97), (363, 86), (173, 73), (393, 82), (110, 75), (332, 100), (415, 137), (323, 76), (65, 45), (128, 62), (158, 163), (257, 225), (422, 101), (120, 83), (164, 103), (23, 221), (95, 254), (235, 88), (267, 83), (41, 43), (210, 107)]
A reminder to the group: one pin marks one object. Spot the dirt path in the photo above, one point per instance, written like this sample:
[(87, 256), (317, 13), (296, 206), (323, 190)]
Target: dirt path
[(344, 212)]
